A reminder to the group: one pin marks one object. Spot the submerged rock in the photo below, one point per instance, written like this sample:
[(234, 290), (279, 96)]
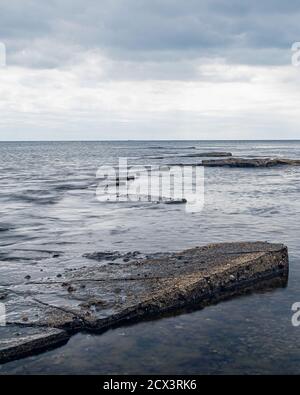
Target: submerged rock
[(208, 155), (250, 162), (104, 296), (175, 201), (111, 255), (195, 155)]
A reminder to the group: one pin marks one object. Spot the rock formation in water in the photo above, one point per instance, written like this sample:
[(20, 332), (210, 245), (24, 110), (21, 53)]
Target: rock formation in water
[(44, 312), (250, 162), (208, 155)]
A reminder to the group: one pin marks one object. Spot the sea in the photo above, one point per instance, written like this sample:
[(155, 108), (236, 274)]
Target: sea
[(48, 202)]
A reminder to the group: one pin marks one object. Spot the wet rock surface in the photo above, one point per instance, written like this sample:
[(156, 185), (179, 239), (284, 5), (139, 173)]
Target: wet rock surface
[(47, 310), (208, 155), (250, 162), (23, 341), (113, 256), (175, 201)]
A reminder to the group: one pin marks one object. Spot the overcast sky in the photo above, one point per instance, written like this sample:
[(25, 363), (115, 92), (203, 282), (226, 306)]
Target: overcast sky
[(149, 69)]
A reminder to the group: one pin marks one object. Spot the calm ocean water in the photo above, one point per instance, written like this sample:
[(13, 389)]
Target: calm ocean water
[(48, 202)]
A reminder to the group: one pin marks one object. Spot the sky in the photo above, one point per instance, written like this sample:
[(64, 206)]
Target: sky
[(141, 69)]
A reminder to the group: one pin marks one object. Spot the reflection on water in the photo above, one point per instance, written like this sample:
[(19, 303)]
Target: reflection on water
[(48, 204)]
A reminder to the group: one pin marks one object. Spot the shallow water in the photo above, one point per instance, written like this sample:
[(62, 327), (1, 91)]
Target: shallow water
[(50, 214)]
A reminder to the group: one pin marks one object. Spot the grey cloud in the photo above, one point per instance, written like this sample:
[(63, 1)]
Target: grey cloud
[(141, 31)]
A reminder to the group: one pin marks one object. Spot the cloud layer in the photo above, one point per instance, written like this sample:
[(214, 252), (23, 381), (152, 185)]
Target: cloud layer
[(145, 69)]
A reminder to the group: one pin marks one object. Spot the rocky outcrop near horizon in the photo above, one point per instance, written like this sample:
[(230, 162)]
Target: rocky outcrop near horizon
[(250, 162)]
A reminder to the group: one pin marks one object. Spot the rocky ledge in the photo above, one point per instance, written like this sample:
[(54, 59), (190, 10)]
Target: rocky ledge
[(250, 162), (208, 155), (45, 312)]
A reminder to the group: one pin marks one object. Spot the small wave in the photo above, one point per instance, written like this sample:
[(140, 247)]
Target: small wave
[(36, 199), (4, 229), (264, 211), (71, 187)]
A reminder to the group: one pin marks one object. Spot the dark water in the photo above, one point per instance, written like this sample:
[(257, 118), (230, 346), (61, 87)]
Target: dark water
[(48, 203)]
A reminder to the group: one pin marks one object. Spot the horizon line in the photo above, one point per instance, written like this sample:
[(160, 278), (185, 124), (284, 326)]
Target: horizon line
[(131, 140)]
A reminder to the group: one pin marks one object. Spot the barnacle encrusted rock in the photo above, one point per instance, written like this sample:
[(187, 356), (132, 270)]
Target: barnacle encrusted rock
[(105, 294)]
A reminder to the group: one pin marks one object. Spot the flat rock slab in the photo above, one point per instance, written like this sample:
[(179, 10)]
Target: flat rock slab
[(250, 162), (103, 295), (17, 342)]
